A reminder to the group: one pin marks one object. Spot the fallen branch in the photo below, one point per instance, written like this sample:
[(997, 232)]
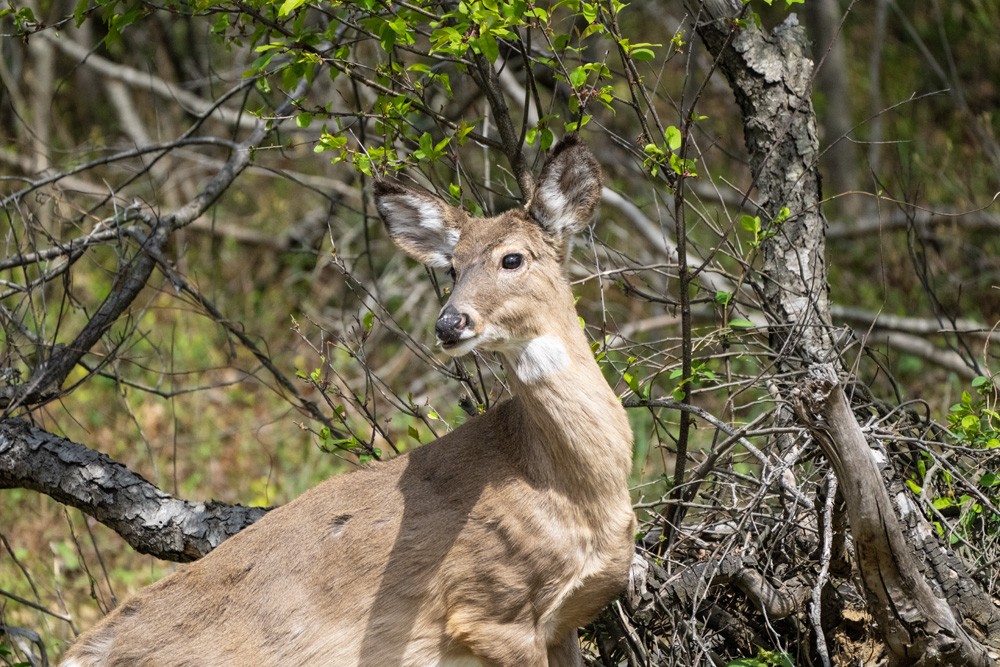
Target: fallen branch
[(150, 520), (919, 628)]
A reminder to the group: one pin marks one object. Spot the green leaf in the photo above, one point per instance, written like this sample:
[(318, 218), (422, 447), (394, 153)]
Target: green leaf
[(741, 323), (464, 128), (368, 320), (80, 12), (632, 382), (751, 223), (547, 139), (673, 137), (289, 6), (723, 298), (642, 54), (942, 503), (538, 13), (578, 76), (367, 458), (304, 119), (916, 488), (989, 480), (488, 47)]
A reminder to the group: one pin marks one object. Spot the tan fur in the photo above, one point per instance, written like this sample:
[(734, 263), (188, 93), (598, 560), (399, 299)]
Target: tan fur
[(490, 546)]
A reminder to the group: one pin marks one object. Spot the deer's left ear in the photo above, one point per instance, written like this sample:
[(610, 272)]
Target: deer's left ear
[(422, 225), (568, 189)]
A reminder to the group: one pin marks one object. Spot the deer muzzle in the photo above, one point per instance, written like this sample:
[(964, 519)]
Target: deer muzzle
[(453, 326)]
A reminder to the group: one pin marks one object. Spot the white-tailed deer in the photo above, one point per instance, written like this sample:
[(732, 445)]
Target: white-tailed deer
[(490, 546)]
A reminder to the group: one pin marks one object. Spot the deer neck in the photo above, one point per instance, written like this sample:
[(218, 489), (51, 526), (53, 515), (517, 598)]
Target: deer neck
[(576, 433)]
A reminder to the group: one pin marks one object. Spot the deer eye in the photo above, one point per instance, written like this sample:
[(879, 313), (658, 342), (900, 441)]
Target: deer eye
[(512, 261)]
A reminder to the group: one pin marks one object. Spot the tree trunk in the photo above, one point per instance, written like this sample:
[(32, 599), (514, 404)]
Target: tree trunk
[(771, 77)]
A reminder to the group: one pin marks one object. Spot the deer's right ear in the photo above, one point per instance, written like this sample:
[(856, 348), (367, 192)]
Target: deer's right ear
[(422, 225), (568, 190)]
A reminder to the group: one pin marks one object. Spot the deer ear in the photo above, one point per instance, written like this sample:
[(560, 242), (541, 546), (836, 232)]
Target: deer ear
[(422, 225), (568, 189)]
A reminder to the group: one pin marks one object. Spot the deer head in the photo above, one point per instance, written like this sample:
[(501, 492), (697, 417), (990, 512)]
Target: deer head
[(508, 269)]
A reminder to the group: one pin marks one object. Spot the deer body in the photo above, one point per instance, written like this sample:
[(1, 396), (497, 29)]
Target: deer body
[(489, 546)]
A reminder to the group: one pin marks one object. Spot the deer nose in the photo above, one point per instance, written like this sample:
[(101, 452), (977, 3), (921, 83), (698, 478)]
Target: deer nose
[(451, 324)]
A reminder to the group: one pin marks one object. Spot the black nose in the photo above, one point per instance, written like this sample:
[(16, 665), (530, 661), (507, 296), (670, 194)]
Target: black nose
[(450, 325)]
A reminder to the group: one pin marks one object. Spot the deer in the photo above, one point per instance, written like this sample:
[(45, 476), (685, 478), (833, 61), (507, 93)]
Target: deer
[(491, 545)]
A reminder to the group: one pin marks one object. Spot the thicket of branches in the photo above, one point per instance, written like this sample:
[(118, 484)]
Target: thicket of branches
[(195, 290)]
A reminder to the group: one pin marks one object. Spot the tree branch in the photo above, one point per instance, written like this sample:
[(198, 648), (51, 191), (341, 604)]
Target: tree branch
[(151, 521), (489, 82), (922, 220), (195, 105), (133, 275)]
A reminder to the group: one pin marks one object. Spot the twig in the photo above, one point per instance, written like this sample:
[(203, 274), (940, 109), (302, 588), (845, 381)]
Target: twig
[(815, 610)]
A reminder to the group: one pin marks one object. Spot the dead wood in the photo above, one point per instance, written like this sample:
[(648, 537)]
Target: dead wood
[(918, 626)]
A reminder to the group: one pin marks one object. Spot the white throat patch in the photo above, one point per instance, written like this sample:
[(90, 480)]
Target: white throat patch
[(540, 358)]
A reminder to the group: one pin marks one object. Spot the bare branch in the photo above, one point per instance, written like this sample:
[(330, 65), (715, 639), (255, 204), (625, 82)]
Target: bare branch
[(148, 81), (918, 326), (133, 276), (923, 348), (922, 220)]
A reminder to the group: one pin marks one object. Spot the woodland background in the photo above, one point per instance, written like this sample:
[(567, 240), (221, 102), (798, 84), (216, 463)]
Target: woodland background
[(799, 199)]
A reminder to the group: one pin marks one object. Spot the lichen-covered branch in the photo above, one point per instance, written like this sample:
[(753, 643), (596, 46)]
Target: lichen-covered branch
[(151, 521)]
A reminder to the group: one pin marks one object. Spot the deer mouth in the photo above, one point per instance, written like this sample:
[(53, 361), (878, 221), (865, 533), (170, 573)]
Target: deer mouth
[(460, 347)]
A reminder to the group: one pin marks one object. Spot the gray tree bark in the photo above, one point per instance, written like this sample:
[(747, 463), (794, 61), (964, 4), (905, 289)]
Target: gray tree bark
[(151, 521), (771, 76)]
